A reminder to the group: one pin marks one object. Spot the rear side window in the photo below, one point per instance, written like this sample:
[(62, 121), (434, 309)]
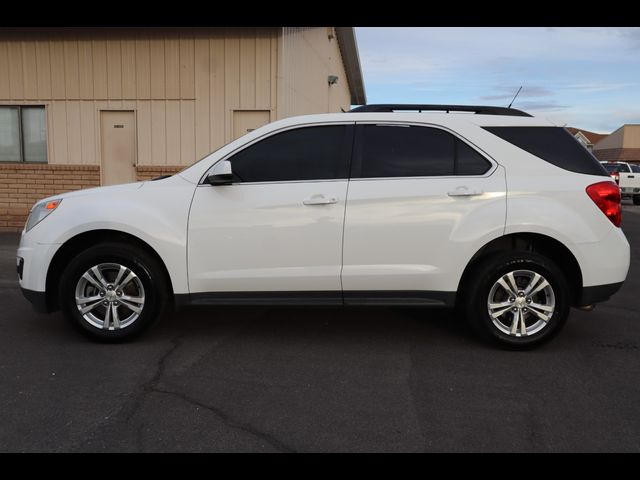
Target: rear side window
[(468, 161), (554, 145), (411, 151), (635, 168), (309, 153)]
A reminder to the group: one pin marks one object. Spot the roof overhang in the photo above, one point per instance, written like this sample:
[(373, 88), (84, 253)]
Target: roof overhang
[(349, 50)]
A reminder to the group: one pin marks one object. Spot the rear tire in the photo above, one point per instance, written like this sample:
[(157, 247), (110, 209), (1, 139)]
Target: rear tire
[(636, 199), (112, 291), (517, 300)]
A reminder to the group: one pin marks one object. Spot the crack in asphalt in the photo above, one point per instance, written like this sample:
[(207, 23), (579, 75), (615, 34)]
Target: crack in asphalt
[(151, 386), (231, 422)]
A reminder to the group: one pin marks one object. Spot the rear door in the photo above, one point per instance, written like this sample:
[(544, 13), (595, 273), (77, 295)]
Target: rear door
[(420, 201)]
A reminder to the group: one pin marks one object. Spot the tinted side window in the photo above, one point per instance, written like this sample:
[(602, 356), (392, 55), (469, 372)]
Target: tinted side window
[(407, 151), (468, 161), (554, 145), (310, 153), (403, 151), (635, 168)]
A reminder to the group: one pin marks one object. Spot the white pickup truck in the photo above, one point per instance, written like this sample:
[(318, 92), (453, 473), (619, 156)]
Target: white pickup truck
[(627, 176)]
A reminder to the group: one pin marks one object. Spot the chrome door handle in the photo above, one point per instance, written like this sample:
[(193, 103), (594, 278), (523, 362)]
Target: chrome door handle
[(463, 192), (320, 200)]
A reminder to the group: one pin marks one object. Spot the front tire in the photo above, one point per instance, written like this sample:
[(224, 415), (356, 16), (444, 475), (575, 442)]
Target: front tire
[(636, 199), (112, 291), (518, 300)]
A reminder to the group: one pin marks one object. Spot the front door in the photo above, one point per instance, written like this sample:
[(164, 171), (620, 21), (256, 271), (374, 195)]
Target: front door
[(421, 201), (118, 141), (278, 227)]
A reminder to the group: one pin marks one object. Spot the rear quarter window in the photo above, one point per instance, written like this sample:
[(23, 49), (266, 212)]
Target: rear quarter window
[(554, 145)]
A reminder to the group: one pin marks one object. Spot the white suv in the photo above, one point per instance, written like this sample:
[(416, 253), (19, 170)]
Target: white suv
[(488, 209)]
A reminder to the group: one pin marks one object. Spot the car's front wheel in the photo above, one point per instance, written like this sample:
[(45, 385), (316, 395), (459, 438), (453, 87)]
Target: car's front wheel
[(518, 299), (112, 291)]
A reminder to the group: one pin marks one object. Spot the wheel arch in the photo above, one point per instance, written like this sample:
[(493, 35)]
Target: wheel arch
[(530, 242), (88, 239)]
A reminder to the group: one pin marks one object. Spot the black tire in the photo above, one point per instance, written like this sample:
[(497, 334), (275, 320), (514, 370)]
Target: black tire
[(480, 284), (636, 199), (143, 265)]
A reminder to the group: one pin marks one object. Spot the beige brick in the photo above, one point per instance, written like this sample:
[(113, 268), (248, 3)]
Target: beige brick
[(15, 211)]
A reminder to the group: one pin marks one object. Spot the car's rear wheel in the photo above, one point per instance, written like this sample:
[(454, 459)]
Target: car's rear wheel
[(518, 299), (112, 291)]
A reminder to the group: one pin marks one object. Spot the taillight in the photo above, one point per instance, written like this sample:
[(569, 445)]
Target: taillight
[(606, 196)]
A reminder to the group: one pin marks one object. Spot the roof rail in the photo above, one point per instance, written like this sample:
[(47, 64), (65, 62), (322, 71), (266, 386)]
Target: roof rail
[(478, 109)]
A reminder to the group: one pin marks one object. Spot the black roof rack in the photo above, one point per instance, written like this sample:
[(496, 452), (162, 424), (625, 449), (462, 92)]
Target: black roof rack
[(479, 109)]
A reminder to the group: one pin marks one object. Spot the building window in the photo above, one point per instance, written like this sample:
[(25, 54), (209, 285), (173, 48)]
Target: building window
[(23, 134)]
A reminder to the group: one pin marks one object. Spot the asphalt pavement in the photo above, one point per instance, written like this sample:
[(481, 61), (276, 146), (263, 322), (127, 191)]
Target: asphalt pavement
[(319, 380)]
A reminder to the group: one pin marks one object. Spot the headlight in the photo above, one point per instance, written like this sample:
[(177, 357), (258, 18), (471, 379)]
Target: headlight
[(40, 212)]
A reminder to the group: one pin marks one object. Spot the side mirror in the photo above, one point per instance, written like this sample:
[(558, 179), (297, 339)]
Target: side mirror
[(220, 174)]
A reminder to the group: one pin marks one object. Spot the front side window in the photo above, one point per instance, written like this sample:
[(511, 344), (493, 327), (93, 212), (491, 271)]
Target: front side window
[(309, 153), (23, 134), (412, 151)]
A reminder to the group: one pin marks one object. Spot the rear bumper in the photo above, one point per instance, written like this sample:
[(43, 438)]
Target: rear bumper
[(37, 299), (598, 293)]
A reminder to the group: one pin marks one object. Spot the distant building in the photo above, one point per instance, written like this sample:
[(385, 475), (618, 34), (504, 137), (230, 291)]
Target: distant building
[(623, 145), (587, 138)]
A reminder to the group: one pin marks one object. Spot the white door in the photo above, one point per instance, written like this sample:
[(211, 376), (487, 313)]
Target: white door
[(118, 142), (278, 227), (419, 201)]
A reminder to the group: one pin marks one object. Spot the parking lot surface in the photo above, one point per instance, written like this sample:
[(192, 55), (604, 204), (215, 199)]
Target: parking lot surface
[(319, 380)]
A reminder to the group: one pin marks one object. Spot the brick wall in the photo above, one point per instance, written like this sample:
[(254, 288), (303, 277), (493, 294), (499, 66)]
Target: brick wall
[(23, 184), (147, 172)]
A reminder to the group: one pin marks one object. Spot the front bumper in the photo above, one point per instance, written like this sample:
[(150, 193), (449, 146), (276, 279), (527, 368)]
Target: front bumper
[(32, 263), (37, 299), (33, 260)]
